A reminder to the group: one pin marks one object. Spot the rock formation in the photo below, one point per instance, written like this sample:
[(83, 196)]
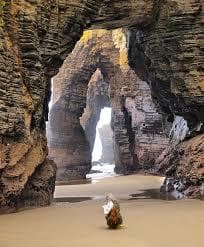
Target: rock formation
[(69, 146), (97, 98), (169, 56), (106, 136), (184, 164), (165, 49), (138, 130)]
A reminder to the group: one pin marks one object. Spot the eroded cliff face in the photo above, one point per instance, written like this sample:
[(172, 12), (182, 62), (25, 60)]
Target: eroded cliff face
[(138, 119), (32, 45), (37, 35), (169, 56)]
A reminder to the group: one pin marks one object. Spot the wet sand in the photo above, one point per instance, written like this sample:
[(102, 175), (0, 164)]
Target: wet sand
[(147, 222)]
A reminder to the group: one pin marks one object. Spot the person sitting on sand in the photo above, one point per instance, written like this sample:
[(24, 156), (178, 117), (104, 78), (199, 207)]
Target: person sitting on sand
[(112, 212)]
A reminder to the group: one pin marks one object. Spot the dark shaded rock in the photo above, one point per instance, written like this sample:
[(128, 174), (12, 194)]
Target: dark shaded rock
[(40, 187), (184, 163), (169, 56), (95, 163), (194, 192), (95, 171)]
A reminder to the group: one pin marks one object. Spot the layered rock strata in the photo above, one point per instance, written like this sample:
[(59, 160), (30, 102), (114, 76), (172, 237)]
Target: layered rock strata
[(36, 36), (69, 145), (169, 56), (71, 101)]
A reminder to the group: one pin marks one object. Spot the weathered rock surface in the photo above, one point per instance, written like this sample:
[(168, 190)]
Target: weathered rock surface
[(169, 56), (40, 188), (165, 49), (149, 127), (184, 164), (106, 136), (69, 145)]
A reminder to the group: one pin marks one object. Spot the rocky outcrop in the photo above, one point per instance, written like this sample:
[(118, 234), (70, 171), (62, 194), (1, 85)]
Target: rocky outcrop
[(74, 154), (139, 125), (32, 47), (165, 49), (29, 180), (183, 164), (40, 188), (74, 157), (106, 136)]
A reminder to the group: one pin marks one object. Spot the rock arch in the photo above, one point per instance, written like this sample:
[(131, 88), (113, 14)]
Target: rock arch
[(36, 36), (135, 147)]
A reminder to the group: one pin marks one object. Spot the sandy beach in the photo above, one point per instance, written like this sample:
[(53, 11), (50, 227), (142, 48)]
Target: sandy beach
[(148, 222)]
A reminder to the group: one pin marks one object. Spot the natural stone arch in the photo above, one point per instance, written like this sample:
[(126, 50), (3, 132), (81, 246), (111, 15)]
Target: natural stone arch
[(36, 36), (69, 106), (107, 51), (70, 146)]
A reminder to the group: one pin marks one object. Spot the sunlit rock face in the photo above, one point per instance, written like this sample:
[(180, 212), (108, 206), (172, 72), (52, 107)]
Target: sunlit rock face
[(138, 130)]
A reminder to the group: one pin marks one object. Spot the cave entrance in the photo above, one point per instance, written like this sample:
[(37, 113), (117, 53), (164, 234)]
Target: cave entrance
[(102, 153)]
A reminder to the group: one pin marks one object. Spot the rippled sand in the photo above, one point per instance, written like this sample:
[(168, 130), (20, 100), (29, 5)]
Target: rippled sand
[(148, 222)]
